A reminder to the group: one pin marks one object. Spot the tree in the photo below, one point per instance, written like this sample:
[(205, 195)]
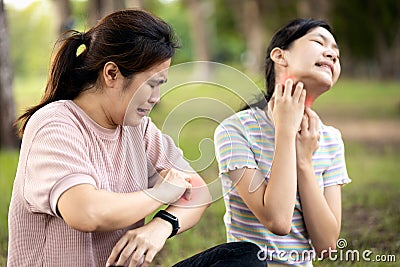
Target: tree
[(320, 9), (101, 8), (199, 14), (369, 38), (248, 19), (8, 136), (64, 15)]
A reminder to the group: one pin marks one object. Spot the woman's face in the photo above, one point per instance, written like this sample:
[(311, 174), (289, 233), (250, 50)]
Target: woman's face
[(143, 92), (314, 59)]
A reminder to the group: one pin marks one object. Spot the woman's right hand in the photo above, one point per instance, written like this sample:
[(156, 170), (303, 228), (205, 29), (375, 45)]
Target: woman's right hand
[(287, 107), (172, 185)]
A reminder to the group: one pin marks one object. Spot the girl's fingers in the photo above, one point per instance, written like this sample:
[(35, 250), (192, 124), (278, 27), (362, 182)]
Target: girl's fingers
[(313, 120), (278, 91), (298, 90), (302, 98), (271, 102), (304, 123), (288, 88)]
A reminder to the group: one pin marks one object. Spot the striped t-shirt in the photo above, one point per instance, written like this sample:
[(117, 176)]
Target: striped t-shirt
[(63, 147), (246, 139)]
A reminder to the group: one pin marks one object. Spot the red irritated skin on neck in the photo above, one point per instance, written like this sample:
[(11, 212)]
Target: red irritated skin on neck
[(309, 98)]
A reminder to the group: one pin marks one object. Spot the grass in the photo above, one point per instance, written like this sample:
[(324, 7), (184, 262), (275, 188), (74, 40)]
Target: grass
[(361, 99), (8, 164), (370, 202)]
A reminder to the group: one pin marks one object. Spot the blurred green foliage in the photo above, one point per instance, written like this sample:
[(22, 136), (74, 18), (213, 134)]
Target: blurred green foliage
[(366, 31), (31, 41)]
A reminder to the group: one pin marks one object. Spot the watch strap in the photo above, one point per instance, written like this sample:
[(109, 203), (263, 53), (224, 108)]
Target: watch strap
[(173, 220)]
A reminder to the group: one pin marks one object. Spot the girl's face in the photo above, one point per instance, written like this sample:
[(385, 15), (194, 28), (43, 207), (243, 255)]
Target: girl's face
[(143, 92), (314, 60)]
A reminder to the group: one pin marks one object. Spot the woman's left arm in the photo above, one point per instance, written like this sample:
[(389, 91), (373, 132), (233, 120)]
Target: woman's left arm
[(321, 209), (143, 243), (163, 153)]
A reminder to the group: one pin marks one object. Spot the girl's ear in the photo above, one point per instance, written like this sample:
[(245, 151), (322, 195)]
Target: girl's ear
[(278, 56), (110, 73)]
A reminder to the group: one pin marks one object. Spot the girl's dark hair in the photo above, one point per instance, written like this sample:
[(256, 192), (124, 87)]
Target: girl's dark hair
[(133, 39), (283, 39)]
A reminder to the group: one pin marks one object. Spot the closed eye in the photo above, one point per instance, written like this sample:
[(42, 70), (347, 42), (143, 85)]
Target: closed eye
[(318, 42)]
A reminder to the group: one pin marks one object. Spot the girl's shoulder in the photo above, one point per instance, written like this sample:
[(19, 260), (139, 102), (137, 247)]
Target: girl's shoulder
[(245, 123), (247, 116), (330, 131)]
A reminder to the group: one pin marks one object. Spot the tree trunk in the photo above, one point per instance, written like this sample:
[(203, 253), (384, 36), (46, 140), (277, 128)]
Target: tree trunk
[(247, 15), (101, 8), (254, 34), (8, 133), (317, 9), (199, 12), (388, 56), (134, 4), (64, 17)]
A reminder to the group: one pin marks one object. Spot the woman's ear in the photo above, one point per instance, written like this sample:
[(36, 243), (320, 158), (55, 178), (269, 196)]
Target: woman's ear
[(110, 73), (278, 56)]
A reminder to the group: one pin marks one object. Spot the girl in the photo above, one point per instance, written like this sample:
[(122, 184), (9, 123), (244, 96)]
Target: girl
[(281, 168)]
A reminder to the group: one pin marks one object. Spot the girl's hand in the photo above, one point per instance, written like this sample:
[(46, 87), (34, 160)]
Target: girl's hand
[(307, 138), (141, 244), (287, 107), (171, 186)]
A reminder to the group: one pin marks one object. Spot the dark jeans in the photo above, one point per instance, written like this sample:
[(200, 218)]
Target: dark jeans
[(235, 254)]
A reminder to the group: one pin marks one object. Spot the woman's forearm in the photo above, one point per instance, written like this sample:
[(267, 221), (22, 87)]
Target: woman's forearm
[(190, 211), (87, 209)]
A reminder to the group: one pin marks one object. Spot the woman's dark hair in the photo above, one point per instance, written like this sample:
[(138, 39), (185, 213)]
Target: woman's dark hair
[(133, 39), (283, 39)]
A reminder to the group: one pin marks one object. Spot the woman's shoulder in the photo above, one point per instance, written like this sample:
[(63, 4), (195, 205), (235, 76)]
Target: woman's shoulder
[(62, 113), (50, 112)]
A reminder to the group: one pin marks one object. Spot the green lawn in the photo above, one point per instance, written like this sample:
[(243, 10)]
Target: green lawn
[(371, 218)]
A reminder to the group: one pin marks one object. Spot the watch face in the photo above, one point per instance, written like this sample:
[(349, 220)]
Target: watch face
[(172, 217), (169, 218)]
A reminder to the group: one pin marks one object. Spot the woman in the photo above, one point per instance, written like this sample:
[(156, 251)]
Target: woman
[(92, 166), (281, 168)]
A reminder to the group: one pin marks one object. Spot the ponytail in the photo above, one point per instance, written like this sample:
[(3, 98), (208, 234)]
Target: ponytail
[(133, 39), (62, 83)]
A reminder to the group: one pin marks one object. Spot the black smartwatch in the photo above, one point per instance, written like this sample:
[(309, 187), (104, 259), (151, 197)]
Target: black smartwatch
[(165, 215)]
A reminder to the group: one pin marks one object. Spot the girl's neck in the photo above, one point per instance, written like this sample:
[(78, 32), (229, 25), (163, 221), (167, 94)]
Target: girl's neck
[(310, 99), (312, 93)]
